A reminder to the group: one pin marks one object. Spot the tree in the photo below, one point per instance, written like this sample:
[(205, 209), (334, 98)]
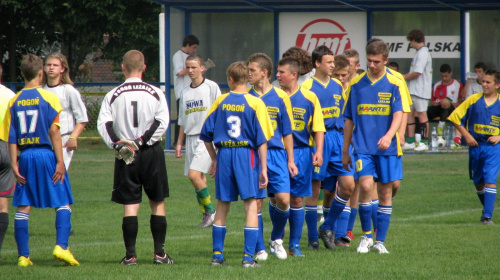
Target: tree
[(79, 29)]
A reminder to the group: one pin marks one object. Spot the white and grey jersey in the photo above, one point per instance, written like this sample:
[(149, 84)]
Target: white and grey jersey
[(73, 108), (421, 63), (194, 105), (132, 110)]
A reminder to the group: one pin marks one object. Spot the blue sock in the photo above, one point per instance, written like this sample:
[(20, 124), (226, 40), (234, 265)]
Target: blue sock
[(251, 234), (272, 211), (326, 210), (296, 224), (374, 213), (490, 195), (480, 194), (352, 218), (337, 207), (312, 222), (342, 222), (279, 223), (260, 238), (63, 226), (384, 219), (21, 233), (218, 236), (365, 217)]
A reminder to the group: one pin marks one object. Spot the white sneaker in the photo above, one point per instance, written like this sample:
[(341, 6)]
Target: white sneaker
[(279, 250), (407, 146), (271, 249), (365, 245), (261, 255), (380, 248), (421, 147)]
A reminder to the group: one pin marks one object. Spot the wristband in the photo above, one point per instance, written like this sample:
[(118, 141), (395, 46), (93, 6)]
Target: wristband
[(71, 137)]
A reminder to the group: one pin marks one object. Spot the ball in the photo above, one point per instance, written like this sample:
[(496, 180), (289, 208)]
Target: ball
[(441, 142)]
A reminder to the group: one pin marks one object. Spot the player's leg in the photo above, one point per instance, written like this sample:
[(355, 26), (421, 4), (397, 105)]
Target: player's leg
[(374, 203), (296, 224), (280, 218), (21, 234), (6, 190), (63, 227), (384, 213), (130, 227), (325, 231), (260, 248), (353, 203), (410, 139), (321, 197), (491, 168), (251, 231), (4, 219), (345, 190), (219, 232), (158, 227), (311, 212), (421, 112), (365, 213)]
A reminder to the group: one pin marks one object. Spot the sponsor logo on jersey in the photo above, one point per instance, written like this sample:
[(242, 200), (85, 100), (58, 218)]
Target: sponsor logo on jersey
[(371, 109), (331, 112), (194, 106), (323, 32), (233, 107), (486, 129)]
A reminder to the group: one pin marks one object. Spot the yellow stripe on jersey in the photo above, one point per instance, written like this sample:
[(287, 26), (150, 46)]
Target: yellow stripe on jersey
[(262, 116), (403, 91), (53, 100), (457, 114), (318, 123), (286, 99), (216, 103)]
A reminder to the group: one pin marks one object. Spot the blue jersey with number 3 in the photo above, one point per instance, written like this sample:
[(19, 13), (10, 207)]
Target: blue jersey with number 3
[(237, 120)]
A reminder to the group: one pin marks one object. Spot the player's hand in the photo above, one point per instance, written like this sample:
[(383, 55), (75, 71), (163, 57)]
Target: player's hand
[(20, 179), (494, 139), (263, 180), (71, 145), (346, 161), (292, 168), (178, 149), (384, 143), (59, 173), (213, 168), (317, 159), (402, 138), (471, 141), (135, 144), (124, 151)]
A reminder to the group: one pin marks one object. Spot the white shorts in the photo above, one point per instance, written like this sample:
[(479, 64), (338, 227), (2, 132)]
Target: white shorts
[(420, 104), (66, 155), (197, 157)]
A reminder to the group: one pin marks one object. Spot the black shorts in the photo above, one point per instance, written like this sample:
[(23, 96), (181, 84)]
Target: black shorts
[(148, 170)]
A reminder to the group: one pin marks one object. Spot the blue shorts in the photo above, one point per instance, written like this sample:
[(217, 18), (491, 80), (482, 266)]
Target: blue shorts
[(237, 173), (332, 157), (277, 173), (330, 183), (38, 165), (387, 168), (484, 164), (301, 185)]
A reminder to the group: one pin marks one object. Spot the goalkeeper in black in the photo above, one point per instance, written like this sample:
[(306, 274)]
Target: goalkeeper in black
[(132, 120)]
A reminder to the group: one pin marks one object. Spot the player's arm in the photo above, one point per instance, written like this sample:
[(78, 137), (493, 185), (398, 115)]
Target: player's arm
[(72, 143), (55, 138), (263, 180), (292, 168), (319, 139), (411, 76), (13, 162), (385, 141), (402, 128), (346, 157), (213, 155), (180, 140), (468, 137), (80, 112)]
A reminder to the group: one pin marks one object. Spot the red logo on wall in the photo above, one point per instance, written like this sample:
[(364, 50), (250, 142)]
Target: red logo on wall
[(323, 32)]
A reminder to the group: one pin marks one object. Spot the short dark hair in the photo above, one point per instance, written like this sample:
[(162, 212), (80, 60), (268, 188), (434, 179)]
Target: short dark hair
[(417, 35), (481, 65), (195, 57), (341, 61), (376, 46), (292, 63), (31, 65), (445, 68), (494, 73), (264, 61), (190, 40), (393, 64), (319, 52)]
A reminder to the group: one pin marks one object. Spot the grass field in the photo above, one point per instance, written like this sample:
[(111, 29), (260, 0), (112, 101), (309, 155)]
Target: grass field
[(435, 232)]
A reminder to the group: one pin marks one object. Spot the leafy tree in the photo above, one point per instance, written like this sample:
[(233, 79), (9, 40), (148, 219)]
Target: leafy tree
[(84, 30)]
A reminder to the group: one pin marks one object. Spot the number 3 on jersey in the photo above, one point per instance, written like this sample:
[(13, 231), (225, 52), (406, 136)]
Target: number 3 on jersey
[(235, 123)]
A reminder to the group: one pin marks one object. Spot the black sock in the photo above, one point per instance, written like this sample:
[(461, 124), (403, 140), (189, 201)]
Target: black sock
[(130, 228), (158, 226), (4, 224)]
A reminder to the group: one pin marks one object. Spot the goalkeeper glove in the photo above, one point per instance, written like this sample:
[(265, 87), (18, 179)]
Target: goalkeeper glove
[(124, 151), (135, 144)]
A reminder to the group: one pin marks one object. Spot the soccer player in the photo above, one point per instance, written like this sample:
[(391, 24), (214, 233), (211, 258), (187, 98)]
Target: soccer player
[(280, 160), (6, 175), (475, 85), (31, 126), (374, 101), (445, 98), (477, 119), (74, 117), (195, 101), (181, 78), (239, 126), (420, 84), (308, 129), (353, 57), (132, 120)]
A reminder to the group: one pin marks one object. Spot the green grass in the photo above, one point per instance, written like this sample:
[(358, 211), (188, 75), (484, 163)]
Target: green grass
[(434, 234)]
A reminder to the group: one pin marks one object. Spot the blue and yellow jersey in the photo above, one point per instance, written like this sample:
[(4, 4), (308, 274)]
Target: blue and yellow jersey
[(403, 90), (307, 118), (481, 120), (31, 113), (237, 119), (279, 109), (330, 96), (371, 105)]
